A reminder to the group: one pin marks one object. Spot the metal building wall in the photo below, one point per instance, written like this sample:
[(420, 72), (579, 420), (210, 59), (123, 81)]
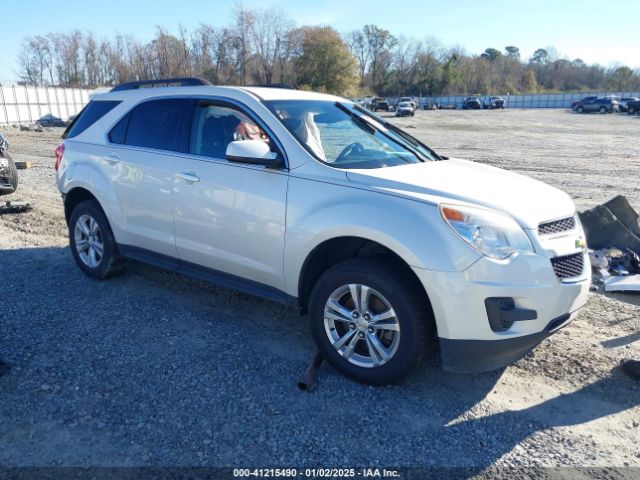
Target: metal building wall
[(29, 104), (540, 100)]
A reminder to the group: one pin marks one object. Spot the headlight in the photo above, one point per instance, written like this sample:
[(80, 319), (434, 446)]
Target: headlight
[(491, 233)]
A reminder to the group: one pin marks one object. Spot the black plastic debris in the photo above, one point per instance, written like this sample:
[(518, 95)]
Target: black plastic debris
[(613, 236), (613, 224), (14, 207)]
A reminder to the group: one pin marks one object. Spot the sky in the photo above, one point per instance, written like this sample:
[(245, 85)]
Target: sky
[(597, 31)]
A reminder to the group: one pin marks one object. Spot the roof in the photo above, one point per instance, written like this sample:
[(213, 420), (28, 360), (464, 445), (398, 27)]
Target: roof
[(263, 93)]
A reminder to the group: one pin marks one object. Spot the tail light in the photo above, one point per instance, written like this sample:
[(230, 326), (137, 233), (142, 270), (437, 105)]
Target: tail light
[(59, 153)]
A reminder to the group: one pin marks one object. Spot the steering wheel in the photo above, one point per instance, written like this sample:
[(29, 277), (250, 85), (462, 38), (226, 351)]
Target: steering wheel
[(355, 147)]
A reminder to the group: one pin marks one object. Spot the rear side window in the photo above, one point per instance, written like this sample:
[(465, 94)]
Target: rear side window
[(155, 124), (89, 115)]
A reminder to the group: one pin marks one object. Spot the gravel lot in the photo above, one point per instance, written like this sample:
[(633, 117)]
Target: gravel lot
[(153, 368)]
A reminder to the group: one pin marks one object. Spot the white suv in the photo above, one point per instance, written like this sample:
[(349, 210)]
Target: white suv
[(313, 201)]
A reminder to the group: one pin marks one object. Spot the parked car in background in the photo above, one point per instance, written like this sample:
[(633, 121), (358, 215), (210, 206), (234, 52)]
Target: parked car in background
[(633, 106), (602, 105), (624, 101), (494, 102), (410, 100), (313, 201), (405, 109), (585, 99), (471, 103), (381, 104)]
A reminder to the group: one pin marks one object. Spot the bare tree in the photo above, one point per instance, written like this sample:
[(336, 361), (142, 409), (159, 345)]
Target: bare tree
[(264, 46)]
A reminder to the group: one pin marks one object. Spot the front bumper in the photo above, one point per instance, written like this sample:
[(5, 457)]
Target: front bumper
[(467, 341), (476, 356)]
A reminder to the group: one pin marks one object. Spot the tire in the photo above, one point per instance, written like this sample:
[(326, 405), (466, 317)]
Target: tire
[(391, 291), (99, 266), (603, 110), (631, 110), (580, 110), (12, 174)]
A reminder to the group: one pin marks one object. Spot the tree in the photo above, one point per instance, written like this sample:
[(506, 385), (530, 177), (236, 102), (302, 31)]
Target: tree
[(379, 42), (528, 83), (512, 52), (621, 79), (270, 35), (325, 63), (540, 56), (357, 43), (491, 54), (244, 20), (450, 75)]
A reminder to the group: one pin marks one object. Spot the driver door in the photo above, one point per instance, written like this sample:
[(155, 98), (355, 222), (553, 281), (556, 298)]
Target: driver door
[(229, 217)]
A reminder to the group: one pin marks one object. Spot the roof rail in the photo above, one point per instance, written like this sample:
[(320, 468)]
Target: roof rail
[(271, 85), (162, 82)]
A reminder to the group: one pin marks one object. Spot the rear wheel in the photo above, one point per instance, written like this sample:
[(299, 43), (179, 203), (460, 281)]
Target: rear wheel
[(631, 110), (370, 321), (603, 110), (92, 242)]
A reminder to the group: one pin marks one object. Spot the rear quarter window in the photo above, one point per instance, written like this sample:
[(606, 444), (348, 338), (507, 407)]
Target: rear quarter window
[(89, 115)]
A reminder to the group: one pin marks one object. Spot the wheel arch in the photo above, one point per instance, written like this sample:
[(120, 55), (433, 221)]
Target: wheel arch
[(337, 249), (73, 197)]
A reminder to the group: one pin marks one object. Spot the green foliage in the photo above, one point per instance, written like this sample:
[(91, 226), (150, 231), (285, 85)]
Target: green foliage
[(325, 63)]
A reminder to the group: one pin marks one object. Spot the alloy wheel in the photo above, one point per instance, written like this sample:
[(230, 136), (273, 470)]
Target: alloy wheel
[(88, 240), (361, 325)]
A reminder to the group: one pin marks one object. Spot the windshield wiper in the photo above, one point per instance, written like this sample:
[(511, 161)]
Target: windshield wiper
[(362, 123), (401, 133)]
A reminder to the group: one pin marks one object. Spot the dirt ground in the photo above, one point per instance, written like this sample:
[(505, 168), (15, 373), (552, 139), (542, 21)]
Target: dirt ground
[(86, 389)]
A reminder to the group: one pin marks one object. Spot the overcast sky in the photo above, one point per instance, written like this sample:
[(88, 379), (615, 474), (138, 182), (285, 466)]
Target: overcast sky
[(598, 31)]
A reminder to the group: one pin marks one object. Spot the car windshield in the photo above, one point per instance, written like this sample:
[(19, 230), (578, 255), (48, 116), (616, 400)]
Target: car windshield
[(404, 104), (344, 136)]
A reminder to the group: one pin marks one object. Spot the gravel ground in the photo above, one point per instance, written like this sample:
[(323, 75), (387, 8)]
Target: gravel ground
[(153, 368)]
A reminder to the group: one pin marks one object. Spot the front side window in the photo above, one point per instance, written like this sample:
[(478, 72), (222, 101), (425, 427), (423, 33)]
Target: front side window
[(342, 137), (215, 126)]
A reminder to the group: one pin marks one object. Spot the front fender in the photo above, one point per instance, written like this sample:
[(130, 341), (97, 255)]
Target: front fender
[(318, 212)]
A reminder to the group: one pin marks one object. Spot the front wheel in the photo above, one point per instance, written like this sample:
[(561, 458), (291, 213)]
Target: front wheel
[(579, 109), (370, 321), (92, 242), (603, 110), (631, 110)]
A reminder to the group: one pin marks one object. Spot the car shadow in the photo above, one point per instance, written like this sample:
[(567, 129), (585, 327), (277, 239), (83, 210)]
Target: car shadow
[(209, 362)]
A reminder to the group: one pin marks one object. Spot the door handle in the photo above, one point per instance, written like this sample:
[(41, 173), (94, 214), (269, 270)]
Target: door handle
[(188, 177), (112, 159)]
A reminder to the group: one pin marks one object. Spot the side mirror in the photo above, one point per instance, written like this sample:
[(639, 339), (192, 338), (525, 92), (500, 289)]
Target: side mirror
[(253, 152)]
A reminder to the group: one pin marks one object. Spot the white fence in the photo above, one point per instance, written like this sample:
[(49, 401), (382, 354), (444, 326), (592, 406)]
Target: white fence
[(540, 100), (29, 104)]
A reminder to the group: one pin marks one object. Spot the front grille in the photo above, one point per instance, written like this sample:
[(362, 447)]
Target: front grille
[(569, 266), (557, 226)]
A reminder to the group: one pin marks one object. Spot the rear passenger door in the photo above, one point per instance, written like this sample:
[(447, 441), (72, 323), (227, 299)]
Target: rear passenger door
[(143, 148), (229, 217)]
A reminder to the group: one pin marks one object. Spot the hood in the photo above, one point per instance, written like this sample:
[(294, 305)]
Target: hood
[(529, 201)]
